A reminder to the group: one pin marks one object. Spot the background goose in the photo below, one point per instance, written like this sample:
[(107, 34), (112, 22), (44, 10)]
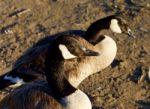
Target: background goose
[(44, 95), (33, 63)]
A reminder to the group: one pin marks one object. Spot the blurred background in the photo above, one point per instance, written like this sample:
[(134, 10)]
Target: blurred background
[(123, 85)]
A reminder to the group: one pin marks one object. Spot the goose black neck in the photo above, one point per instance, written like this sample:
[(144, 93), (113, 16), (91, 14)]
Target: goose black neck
[(92, 34), (54, 70)]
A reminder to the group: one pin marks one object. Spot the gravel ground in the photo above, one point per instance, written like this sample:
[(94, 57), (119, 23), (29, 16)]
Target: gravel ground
[(124, 84)]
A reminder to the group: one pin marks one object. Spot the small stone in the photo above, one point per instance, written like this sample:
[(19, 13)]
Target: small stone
[(99, 88)]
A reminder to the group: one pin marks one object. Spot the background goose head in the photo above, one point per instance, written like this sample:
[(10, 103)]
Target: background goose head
[(113, 22)]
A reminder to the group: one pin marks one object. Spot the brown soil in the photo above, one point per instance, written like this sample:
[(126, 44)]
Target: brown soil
[(124, 84)]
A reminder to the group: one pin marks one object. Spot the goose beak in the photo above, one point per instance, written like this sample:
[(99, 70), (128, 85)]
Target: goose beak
[(130, 33), (88, 52)]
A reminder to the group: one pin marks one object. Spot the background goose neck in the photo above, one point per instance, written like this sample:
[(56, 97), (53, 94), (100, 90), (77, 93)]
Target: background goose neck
[(93, 32)]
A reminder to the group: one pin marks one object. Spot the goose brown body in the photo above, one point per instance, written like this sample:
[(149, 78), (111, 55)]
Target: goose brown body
[(40, 97)]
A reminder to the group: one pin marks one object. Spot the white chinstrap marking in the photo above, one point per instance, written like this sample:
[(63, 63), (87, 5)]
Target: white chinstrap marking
[(114, 26), (76, 100), (65, 52), (16, 80)]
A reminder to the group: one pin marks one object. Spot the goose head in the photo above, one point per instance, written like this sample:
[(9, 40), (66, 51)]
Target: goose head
[(114, 23), (119, 25), (70, 48)]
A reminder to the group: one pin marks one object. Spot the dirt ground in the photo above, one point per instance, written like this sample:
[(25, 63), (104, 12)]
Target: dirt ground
[(124, 84)]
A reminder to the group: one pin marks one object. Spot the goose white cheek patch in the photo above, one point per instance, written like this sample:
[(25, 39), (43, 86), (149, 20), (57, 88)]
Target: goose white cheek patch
[(65, 52), (114, 26)]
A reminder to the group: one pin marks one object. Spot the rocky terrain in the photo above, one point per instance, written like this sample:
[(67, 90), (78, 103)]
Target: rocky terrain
[(123, 85)]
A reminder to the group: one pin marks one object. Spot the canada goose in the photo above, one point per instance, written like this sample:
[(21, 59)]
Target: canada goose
[(44, 95), (33, 63)]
